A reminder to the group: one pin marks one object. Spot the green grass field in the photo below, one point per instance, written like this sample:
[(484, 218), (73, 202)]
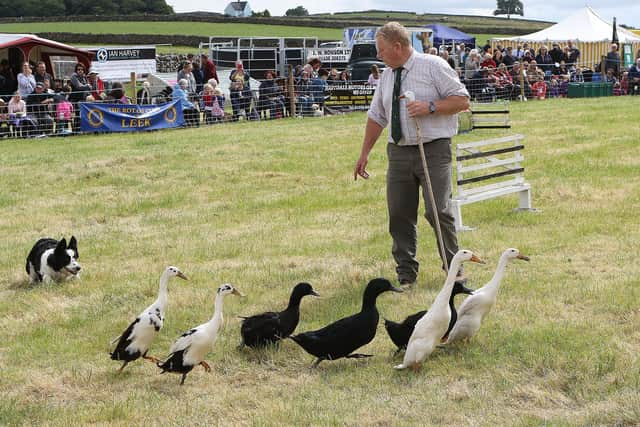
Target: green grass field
[(265, 205)]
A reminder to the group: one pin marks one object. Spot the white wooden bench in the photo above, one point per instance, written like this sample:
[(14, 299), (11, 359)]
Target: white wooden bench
[(488, 169)]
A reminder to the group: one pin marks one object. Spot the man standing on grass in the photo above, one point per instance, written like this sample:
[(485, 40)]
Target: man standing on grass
[(439, 97)]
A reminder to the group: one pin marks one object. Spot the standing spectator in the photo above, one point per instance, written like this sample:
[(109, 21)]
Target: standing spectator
[(527, 57), (374, 77), (574, 54), (539, 89), (613, 60), (117, 94), (344, 76), (97, 85), (198, 76), (471, 65), (318, 87), (26, 81), (556, 53), (186, 74), (10, 84), (624, 83), (41, 74), (208, 68), (64, 112), (80, 86), (17, 110), (445, 55), (304, 93), (441, 96), (240, 92), (543, 59), (270, 97)]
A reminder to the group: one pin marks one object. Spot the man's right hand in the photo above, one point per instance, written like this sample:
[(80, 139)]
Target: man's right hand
[(359, 169)]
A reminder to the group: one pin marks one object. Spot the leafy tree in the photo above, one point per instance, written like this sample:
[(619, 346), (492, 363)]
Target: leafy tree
[(265, 14), (509, 7), (298, 11)]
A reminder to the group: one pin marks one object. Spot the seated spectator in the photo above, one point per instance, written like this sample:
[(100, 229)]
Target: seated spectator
[(497, 57), (198, 75), (610, 77), (117, 94), (617, 89), (143, 96), (554, 87), (319, 87), (304, 94), (560, 69), (38, 108), (575, 75), (504, 82), (344, 76), (534, 74), (374, 77), (270, 97), (315, 64), (624, 83), (212, 103), (26, 81), (539, 89), (17, 111), (189, 110), (240, 92), (488, 62), (634, 78), (519, 81), (334, 75), (97, 85)]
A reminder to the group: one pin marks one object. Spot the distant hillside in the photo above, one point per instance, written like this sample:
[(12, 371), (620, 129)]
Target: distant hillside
[(470, 24)]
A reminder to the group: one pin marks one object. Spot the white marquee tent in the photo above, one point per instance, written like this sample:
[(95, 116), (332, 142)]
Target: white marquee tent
[(585, 28)]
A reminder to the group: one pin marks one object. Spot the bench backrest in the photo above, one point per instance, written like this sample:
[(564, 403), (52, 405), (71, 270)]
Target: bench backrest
[(489, 164)]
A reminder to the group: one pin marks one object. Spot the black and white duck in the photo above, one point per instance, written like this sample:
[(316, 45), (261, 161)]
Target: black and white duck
[(135, 341), (270, 327), (343, 337), (190, 349), (400, 332)]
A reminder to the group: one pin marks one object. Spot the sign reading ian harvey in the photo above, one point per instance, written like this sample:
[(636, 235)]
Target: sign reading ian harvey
[(117, 63), (96, 117)]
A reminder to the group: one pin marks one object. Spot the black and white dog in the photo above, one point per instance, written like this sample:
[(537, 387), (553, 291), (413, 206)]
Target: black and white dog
[(50, 259)]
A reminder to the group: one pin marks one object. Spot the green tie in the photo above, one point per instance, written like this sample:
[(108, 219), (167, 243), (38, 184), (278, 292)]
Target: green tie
[(396, 130)]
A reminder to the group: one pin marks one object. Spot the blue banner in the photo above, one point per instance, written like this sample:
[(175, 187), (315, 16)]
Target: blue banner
[(96, 117)]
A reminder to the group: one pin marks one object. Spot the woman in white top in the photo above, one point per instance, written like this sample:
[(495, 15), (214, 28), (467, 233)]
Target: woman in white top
[(374, 77), (16, 105), (26, 80)]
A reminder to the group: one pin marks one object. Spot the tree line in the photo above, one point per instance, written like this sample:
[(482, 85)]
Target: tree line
[(9, 8)]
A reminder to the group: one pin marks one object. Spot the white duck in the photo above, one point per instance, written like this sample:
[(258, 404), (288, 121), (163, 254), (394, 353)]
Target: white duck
[(434, 324), (474, 309), (135, 341), (191, 347)]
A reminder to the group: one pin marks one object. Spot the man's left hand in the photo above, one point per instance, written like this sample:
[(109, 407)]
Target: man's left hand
[(417, 108)]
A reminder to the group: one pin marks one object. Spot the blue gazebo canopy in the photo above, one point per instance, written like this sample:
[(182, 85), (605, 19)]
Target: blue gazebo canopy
[(445, 35)]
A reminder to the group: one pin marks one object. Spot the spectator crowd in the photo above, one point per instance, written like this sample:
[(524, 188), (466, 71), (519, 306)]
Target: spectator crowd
[(33, 103)]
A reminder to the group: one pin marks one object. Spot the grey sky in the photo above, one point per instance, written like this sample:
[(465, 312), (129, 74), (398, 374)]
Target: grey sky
[(626, 11)]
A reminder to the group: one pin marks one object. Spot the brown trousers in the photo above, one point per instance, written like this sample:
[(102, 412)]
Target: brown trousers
[(405, 177)]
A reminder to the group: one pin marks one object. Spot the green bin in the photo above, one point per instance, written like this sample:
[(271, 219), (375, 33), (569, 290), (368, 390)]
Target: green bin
[(607, 89), (576, 90)]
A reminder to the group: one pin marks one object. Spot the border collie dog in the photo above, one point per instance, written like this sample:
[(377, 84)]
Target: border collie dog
[(52, 260)]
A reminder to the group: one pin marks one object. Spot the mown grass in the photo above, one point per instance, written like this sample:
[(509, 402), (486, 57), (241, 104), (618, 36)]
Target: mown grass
[(265, 205)]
